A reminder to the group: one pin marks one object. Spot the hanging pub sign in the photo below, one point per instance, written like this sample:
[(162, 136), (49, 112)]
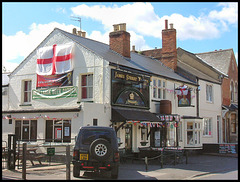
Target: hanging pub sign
[(184, 96), (129, 89), (54, 66)]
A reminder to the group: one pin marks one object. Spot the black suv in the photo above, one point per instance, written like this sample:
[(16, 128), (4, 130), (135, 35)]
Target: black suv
[(96, 149)]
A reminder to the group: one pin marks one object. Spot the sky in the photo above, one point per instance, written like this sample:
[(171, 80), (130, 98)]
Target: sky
[(201, 26)]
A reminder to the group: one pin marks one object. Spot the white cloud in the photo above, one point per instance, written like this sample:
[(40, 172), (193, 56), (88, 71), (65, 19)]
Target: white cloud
[(22, 44), (229, 13), (141, 18)]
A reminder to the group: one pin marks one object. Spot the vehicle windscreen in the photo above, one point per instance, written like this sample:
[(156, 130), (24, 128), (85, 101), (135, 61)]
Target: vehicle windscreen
[(89, 136)]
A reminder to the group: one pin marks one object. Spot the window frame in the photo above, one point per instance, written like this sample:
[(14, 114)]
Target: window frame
[(159, 89), (196, 133), (28, 91), (209, 95), (236, 92), (207, 128), (232, 91), (55, 128), (89, 88), (32, 135)]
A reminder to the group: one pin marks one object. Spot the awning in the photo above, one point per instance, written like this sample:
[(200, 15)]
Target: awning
[(129, 114)]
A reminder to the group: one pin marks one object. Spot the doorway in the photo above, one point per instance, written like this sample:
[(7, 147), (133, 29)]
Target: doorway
[(128, 138)]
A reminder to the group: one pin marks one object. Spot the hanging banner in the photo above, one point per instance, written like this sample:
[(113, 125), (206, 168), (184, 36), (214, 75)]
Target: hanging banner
[(54, 66), (54, 60), (55, 80), (55, 93)]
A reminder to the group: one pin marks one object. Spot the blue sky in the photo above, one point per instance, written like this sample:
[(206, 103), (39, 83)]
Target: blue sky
[(201, 27)]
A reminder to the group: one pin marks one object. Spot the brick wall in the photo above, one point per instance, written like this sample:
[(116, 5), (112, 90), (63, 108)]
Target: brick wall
[(233, 76), (119, 41), (169, 50)]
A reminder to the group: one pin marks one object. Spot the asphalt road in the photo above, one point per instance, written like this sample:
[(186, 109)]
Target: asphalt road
[(200, 167)]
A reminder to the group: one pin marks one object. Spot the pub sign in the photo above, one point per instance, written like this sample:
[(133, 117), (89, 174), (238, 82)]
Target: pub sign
[(130, 89)]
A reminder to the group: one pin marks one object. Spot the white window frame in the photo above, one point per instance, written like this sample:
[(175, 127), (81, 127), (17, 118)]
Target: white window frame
[(87, 87), (29, 91), (196, 140), (207, 127), (209, 94), (159, 88)]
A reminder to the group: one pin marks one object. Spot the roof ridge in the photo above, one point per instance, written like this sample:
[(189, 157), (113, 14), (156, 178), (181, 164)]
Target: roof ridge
[(216, 51), (80, 36)]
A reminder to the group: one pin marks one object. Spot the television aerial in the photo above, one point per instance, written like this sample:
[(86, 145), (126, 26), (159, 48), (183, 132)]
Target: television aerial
[(77, 19)]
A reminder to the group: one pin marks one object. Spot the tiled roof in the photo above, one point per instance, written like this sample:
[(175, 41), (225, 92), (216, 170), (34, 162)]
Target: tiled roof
[(137, 61), (218, 59)]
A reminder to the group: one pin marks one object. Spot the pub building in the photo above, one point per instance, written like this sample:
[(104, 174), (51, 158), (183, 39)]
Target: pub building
[(105, 85)]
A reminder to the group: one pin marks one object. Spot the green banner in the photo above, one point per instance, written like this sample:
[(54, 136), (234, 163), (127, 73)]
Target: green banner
[(55, 93)]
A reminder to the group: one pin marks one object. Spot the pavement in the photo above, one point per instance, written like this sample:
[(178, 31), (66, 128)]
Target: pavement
[(206, 166)]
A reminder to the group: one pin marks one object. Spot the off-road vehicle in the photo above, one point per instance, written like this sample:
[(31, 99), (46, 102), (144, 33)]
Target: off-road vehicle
[(96, 149)]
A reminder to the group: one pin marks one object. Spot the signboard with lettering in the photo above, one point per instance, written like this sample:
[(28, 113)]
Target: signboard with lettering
[(129, 89), (227, 148), (55, 93)]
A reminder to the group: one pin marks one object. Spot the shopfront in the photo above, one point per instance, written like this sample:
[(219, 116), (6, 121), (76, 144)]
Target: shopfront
[(134, 123)]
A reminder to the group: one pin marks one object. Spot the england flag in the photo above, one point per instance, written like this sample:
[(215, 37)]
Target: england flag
[(54, 60)]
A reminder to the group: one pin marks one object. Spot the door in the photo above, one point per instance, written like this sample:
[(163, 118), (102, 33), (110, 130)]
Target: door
[(157, 138), (25, 130), (128, 138)]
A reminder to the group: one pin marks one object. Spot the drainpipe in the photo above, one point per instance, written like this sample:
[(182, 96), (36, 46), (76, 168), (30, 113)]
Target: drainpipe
[(197, 98)]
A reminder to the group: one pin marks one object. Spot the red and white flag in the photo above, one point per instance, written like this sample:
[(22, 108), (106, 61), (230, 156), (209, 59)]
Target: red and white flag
[(54, 60)]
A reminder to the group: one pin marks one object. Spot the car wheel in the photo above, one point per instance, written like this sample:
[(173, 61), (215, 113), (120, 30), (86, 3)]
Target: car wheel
[(100, 149), (76, 171), (114, 173)]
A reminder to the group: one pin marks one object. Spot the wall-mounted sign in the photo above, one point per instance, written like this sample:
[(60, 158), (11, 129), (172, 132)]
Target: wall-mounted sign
[(129, 89), (184, 96), (50, 151), (55, 93)]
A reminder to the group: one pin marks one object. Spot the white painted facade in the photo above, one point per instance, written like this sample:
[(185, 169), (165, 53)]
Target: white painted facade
[(211, 110), (87, 62)]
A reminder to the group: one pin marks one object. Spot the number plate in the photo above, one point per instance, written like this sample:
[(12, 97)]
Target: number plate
[(84, 157)]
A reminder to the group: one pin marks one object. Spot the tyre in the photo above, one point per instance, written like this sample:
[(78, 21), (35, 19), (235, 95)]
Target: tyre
[(76, 171), (100, 149), (114, 173)]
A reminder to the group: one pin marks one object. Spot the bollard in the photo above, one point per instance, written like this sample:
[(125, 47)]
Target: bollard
[(68, 170), (186, 156), (162, 159), (146, 163), (175, 158), (24, 161)]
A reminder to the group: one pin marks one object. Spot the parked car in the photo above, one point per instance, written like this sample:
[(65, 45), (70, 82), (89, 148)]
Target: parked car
[(96, 149)]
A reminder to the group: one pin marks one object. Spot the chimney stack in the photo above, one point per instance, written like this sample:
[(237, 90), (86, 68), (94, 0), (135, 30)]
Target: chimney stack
[(133, 48), (119, 40), (169, 44), (74, 31), (79, 33)]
